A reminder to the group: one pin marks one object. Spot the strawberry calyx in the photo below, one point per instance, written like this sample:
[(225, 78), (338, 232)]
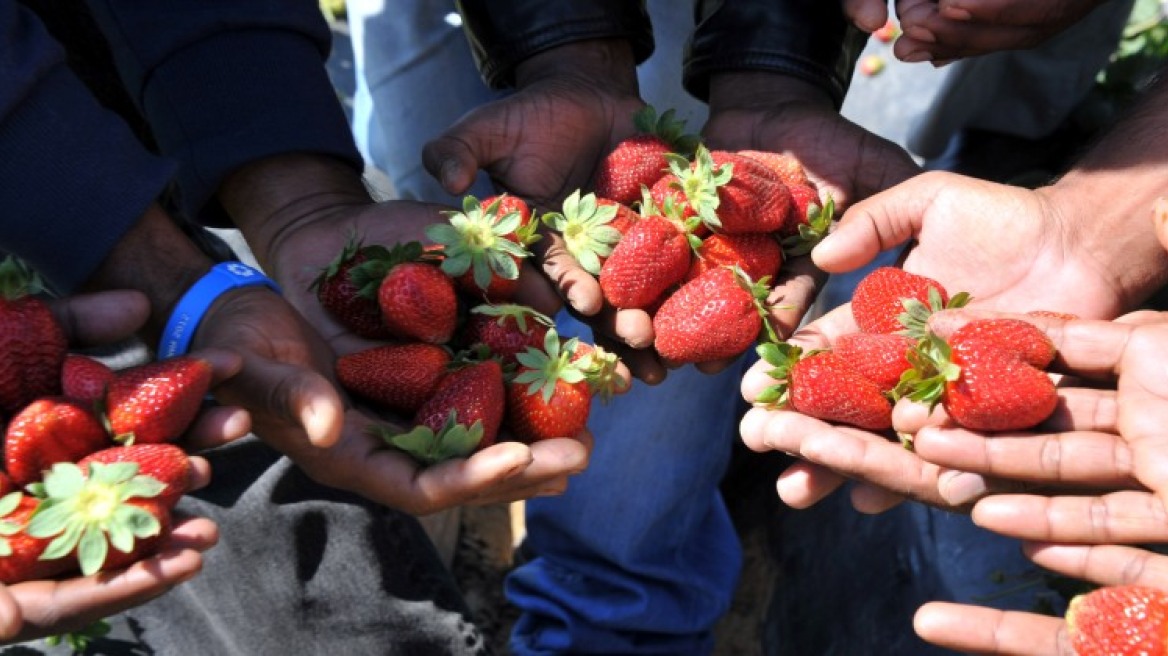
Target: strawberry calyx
[(18, 280), (783, 356), (541, 369), (759, 291), (453, 440), (9, 527), (666, 128), (699, 182), (915, 317), (932, 367), (670, 211), (600, 370), (90, 514), (352, 246), (368, 275), (520, 314), (584, 224), (475, 239), (819, 221)]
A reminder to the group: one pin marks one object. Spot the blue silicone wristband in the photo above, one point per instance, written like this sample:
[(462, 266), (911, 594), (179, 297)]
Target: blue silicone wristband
[(222, 278)]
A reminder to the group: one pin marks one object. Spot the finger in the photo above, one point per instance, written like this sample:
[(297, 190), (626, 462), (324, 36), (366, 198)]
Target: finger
[(1076, 458), (971, 629), (577, 286), (215, 426), (873, 500), (199, 475), (1003, 12), (11, 619), (101, 318), (868, 15), (803, 484), (280, 394), (1120, 517), (537, 292), (1103, 564), (455, 157), (795, 290), (879, 223), (642, 364)]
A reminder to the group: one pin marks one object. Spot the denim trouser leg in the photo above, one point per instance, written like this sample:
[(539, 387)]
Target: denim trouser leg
[(639, 556)]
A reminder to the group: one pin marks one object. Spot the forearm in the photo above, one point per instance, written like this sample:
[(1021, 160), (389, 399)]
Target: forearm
[(1106, 199)]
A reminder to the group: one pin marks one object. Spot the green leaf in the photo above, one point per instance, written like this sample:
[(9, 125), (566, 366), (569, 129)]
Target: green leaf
[(91, 551)]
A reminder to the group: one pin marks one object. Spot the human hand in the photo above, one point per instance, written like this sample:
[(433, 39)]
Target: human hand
[(955, 29), (35, 609), (973, 629), (294, 245), (572, 105)]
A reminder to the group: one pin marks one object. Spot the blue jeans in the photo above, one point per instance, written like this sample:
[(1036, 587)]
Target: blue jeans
[(639, 556)]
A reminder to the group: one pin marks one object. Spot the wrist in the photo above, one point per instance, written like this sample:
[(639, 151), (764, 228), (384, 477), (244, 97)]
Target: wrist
[(196, 303), (606, 62), (271, 196), (156, 258), (756, 90)]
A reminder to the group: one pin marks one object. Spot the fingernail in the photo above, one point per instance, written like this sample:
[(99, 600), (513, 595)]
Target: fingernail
[(962, 488), (450, 173), (941, 63), (917, 56)]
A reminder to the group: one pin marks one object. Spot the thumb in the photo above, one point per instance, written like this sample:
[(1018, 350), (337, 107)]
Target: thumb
[(1160, 219), (279, 394), (878, 223), (455, 157), (868, 15)]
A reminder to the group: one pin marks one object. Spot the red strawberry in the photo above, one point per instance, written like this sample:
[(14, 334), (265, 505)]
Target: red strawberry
[(418, 301), (1119, 620), (399, 377), (549, 395), (506, 330), (640, 160), (461, 417), (84, 513), (156, 401), (483, 247), (32, 343), (343, 296), (1014, 335), (982, 386), (47, 431), (879, 357), (811, 221), (786, 167), (888, 32), (652, 256), (888, 297), (590, 226), (166, 463), (824, 385), (759, 255), (732, 193), (84, 378), (715, 316), (20, 553)]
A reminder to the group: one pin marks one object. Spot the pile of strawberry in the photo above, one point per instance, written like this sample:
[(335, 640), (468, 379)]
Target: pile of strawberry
[(462, 369), (990, 375), (693, 236), (90, 446)]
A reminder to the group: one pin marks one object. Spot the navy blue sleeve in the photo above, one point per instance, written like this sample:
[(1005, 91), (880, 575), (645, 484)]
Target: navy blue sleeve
[(225, 82), (73, 178)]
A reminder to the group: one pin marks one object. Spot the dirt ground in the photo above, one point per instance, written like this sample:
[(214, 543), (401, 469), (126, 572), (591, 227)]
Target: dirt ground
[(489, 534)]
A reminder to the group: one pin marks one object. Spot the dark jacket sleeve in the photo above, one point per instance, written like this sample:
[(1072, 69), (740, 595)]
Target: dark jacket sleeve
[(225, 82), (503, 33), (73, 177), (808, 39)]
